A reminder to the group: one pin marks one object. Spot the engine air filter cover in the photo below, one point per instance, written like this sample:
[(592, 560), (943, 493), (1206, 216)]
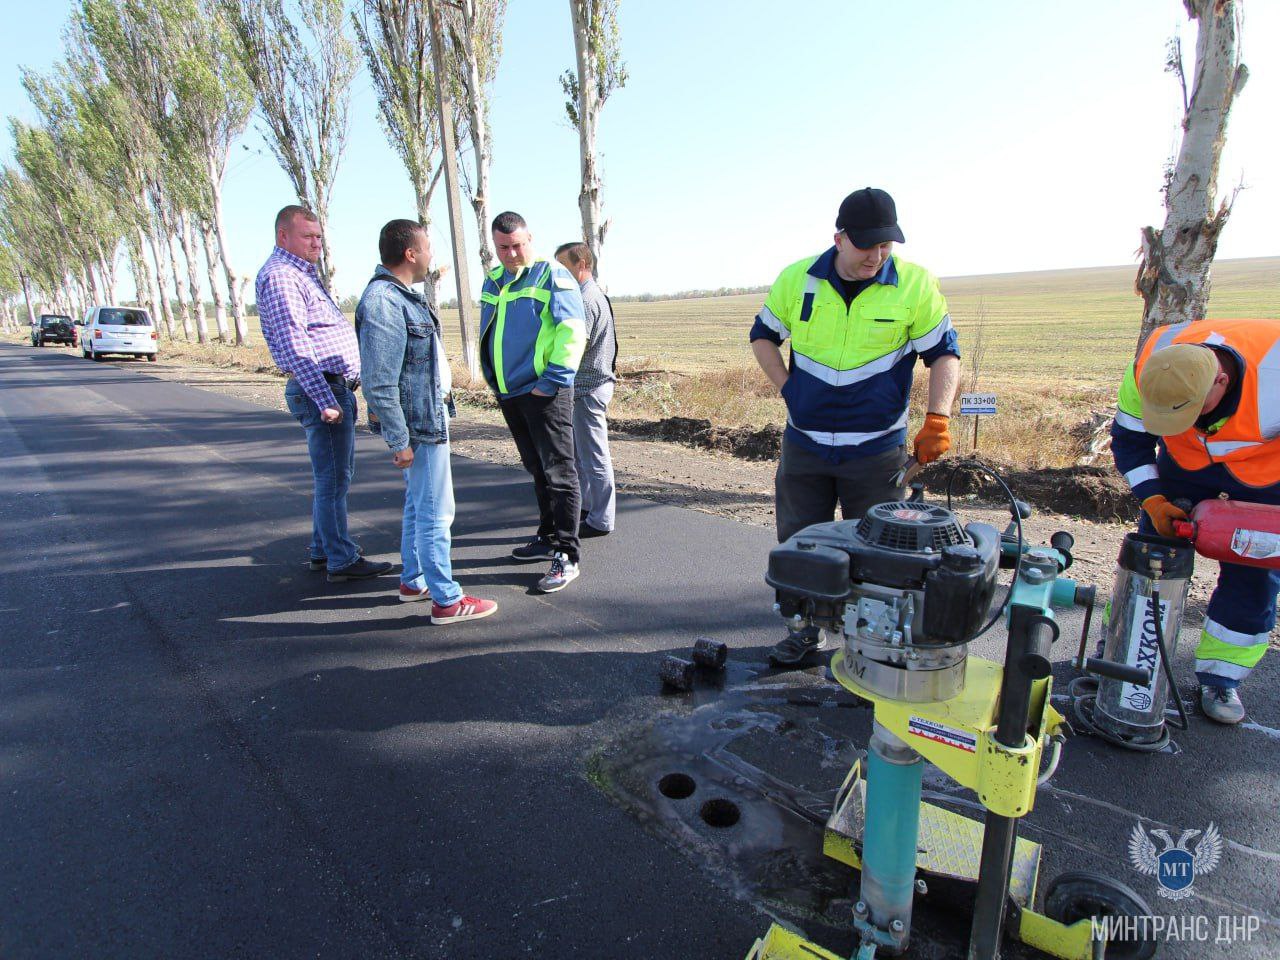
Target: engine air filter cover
[(911, 527)]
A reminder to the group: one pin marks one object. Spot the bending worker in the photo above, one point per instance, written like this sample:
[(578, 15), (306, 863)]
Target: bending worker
[(858, 316), (1199, 417)]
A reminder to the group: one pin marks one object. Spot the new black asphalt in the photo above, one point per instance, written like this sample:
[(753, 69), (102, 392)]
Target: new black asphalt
[(207, 750)]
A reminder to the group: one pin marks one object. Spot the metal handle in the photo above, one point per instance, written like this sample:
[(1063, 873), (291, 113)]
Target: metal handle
[(1118, 671)]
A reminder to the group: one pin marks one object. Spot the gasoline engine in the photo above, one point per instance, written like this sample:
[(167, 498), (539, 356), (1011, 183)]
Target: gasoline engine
[(905, 589)]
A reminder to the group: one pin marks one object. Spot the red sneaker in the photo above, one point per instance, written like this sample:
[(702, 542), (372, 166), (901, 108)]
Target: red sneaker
[(410, 595), (468, 608)]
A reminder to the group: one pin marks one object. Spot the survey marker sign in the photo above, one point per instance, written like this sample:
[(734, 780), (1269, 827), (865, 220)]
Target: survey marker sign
[(977, 404)]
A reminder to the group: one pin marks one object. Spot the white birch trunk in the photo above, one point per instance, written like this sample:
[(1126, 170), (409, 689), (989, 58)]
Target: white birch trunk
[(209, 242), (144, 279), (162, 292), (474, 88), (590, 204), (171, 263), (1174, 277), (235, 283), (193, 277)]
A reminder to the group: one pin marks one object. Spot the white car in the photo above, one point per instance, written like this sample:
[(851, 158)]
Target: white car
[(125, 330)]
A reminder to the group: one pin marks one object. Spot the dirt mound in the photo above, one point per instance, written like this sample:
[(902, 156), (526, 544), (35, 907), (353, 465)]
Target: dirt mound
[(744, 442), (1095, 492)]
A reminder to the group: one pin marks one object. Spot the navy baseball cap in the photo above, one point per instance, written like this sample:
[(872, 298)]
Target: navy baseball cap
[(868, 217)]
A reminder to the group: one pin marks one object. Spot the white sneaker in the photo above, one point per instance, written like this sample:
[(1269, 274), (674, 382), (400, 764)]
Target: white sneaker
[(561, 574), (1221, 704)]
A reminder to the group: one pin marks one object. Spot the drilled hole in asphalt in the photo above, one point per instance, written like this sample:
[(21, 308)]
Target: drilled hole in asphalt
[(720, 813), (677, 786)]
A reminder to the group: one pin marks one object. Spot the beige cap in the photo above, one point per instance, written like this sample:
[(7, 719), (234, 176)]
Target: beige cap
[(1173, 385)]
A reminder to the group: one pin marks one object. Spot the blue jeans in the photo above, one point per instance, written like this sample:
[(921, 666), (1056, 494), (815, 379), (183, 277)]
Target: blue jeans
[(428, 514), (333, 451)]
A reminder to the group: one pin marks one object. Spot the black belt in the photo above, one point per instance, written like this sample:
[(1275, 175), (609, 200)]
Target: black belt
[(338, 380)]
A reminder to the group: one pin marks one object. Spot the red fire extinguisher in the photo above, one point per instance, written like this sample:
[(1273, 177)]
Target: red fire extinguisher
[(1234, 532)]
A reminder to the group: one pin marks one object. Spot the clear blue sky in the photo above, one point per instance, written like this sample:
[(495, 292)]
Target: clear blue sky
[(1014, 136)]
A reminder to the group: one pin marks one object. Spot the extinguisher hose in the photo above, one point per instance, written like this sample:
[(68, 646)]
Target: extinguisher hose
[(1165, 665)]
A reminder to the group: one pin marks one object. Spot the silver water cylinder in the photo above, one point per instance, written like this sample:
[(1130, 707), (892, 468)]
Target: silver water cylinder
[(1132, 711)]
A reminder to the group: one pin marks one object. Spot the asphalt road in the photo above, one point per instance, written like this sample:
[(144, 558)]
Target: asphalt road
[(208, 751)]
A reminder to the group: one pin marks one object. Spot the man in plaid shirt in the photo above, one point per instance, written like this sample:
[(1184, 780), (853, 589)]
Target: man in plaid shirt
[(315, 347)]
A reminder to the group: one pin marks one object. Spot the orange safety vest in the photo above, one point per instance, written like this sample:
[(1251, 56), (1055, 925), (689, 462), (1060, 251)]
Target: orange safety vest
[(1247, 443)]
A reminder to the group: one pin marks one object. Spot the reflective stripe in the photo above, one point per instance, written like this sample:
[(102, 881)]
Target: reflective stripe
[(934, 336), (766, 317), (1219, 448), (848, 439), (1212, 628), (1220, 668), (1141, 475), (488, 298), (1269, 393), (843, 378), (1130, 422), (811, 284), (1167, 334)]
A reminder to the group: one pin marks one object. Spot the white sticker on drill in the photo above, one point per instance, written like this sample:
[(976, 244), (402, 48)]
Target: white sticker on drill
[(941, 733), (1143, 652), (1255, 544)]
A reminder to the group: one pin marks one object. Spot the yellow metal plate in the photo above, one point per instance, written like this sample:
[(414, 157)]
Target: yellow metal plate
[(781, 944), (950, 843)]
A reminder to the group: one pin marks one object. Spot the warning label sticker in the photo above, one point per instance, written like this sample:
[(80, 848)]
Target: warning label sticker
[(1255, 544), (941, 733)]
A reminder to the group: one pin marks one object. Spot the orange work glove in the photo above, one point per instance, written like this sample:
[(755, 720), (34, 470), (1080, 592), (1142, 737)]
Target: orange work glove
[(1162, 514), (933, 440)]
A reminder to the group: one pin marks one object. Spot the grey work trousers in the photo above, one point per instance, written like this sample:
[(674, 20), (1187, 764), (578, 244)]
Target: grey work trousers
[(808, 486), (591, 449)]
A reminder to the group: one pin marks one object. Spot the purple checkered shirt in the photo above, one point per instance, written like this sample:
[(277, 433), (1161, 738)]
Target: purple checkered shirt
[(305, 331)]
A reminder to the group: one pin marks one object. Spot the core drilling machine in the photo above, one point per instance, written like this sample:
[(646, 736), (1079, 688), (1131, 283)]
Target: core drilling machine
[(1143, 618), (906, 588)]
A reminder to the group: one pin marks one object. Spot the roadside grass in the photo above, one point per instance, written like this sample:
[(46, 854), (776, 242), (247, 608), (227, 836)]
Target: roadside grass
[(1053, 346)]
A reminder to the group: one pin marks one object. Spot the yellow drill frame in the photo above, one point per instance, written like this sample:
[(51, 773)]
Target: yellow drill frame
[(958, 737)]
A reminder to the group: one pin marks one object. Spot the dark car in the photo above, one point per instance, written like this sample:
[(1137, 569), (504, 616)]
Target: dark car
[(53, 328)]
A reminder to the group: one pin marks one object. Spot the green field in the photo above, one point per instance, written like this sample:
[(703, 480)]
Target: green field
[(1076, 328)]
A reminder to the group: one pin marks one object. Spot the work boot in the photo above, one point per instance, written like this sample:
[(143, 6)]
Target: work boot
[(795, 648), (1221, 704), (362, 569)]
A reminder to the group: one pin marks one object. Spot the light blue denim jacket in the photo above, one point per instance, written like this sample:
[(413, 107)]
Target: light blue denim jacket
[(399, 342)]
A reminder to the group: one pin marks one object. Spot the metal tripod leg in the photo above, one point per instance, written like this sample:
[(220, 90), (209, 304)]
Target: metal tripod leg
[(1031, 634), (882, 914)]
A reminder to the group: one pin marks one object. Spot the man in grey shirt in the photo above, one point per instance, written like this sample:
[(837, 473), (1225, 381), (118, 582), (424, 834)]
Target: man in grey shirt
[(592, 391)]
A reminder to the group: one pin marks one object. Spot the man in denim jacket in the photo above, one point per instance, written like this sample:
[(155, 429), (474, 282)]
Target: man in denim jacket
[(407, 387)]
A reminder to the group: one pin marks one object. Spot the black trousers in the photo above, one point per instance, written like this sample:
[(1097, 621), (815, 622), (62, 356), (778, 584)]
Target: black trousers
[(807, 486), (542, 428)]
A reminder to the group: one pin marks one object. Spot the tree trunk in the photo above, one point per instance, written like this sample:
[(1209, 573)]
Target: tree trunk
[(109, 272), (449, 163), (162, 293), (235, 284), (26, 293), (589, 201), (143, 276), (1174, 277), (171, 262), (325, 267), (479, 145), (209, 242), (193, 277)]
